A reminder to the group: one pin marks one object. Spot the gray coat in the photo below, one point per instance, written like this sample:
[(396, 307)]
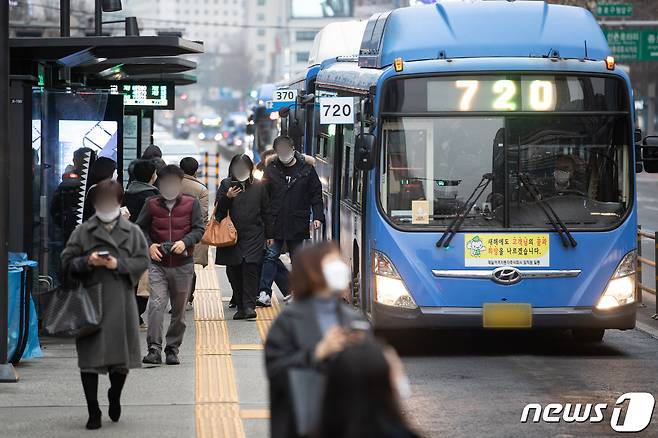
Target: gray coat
[(117, 343)]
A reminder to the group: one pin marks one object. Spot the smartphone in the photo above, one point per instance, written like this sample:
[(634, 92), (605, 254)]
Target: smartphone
[(236, 185), (104, 254), (359, 326)]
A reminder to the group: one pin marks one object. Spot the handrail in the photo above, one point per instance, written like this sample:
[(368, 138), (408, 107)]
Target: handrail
[(640, 288)]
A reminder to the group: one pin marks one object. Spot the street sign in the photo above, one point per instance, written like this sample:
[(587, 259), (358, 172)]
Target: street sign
[(336, 110), (614, 10), (624, 43), (633, 44)]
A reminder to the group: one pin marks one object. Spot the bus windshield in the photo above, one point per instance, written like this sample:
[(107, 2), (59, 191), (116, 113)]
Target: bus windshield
[(579, 161)]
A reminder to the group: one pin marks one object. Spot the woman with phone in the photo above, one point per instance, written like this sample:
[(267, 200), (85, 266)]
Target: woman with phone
[(310, 331), (111, 251), (245, 200)]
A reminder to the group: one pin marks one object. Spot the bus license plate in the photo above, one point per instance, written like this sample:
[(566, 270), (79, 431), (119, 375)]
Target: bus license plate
[(508, 315)]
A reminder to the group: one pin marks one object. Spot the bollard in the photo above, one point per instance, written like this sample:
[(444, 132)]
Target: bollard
[(217, 157), (655, 269), (638, 270), (205, 168)]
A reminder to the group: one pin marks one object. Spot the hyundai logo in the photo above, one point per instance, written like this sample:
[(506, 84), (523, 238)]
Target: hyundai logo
[(506, 275)]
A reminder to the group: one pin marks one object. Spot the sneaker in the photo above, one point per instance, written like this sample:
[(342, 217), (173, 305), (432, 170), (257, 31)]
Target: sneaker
[(287, 299), (250, 314), (189, 306), (153, 357), (239, 315), (231, 304), (172, 358), (263, 300)]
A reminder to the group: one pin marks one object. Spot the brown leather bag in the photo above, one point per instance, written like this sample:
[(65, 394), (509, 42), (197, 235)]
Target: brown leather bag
[(220, 234)]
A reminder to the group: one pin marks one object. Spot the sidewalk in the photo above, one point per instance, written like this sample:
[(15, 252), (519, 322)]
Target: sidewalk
[(218, 391)]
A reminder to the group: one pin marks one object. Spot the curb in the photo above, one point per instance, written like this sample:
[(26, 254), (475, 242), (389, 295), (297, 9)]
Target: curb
[(646, 328)]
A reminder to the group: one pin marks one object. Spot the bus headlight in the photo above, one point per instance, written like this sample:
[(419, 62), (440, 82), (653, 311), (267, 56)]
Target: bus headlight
[(389, 287), (621, 287)]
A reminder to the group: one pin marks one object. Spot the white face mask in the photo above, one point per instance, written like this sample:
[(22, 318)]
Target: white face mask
[(241, 174), (336, 275), (403, 387), (108, 216), (561, 176), (170, 192), (286, 157)]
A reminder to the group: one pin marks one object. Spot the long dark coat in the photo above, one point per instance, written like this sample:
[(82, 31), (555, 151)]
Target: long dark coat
[(292, 201), (291, 343), (117, 343), (248, 211)]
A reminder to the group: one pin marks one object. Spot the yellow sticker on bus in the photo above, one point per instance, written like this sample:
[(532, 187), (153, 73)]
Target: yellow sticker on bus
[(507, 249)]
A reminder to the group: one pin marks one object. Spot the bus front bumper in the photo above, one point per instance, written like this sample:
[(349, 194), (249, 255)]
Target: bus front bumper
[(385, 317)]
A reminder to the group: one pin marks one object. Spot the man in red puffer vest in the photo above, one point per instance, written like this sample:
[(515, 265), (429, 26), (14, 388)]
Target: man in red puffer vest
[(172, 225)]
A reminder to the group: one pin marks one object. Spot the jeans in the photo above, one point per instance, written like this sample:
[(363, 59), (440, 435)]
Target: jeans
[(273, 268)]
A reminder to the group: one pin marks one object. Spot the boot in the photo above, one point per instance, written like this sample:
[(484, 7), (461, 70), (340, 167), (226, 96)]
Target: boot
[(94, 421)]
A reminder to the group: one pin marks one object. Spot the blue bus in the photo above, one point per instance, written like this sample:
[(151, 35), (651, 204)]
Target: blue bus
[(487, 179), (336, 41)]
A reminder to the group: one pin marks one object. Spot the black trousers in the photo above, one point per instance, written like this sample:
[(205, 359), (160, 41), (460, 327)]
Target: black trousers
[(244, 279)]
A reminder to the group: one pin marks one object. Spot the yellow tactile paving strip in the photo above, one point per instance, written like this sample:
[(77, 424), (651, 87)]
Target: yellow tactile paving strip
[(208, 306), (217, 410), (218, 421), (255, 414), (212, 338)]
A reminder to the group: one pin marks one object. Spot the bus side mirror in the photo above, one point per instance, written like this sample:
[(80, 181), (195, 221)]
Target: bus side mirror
[(365, 145), (649, 153)]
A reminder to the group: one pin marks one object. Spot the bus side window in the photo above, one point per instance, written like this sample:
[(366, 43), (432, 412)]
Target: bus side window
[(348, 163)]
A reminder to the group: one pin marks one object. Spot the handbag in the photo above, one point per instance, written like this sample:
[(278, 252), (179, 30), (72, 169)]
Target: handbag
[(307, 388), (73, 312), (220, 234)]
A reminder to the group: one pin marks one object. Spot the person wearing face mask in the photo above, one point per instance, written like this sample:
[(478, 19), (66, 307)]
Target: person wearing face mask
[(309, 332), (563, 175), (246, 201), (138, 191), (101, 169), (111, 251), (172, 223), (365, 385), (295, 194)]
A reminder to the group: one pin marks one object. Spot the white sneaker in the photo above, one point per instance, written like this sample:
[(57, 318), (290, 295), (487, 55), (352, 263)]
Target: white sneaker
[(287, 299), (264, 300), (189, 306)]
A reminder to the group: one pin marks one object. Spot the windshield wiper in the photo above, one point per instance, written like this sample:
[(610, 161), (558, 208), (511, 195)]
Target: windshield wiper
[(553, 218), (457, 222)]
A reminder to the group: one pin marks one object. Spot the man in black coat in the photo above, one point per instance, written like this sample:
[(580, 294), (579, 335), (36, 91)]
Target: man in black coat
[(140, 188), (295, 192)]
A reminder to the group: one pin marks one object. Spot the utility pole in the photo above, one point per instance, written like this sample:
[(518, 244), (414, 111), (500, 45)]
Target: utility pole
[(7, 371)]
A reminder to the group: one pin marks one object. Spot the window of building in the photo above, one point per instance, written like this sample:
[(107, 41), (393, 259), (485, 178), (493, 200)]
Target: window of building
[(261, 2), (305, 35), (260, 47), (302, 56), (260, 17), (260, 32)]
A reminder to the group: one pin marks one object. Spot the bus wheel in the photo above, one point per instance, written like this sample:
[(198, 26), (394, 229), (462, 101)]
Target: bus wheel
[(588, 335)]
